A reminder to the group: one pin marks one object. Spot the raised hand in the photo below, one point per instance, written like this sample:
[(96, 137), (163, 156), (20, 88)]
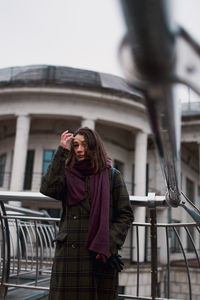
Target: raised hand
[(65, 139)]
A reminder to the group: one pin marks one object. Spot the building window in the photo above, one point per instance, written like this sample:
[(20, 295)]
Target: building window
[(47, 158), (199, 197), (190, 246), (29, 170), (190, 195), (147, 179), (119, 166), (175, 246), (2, 168), (121, 290), (133, 180), (53, 212), (190, 189)]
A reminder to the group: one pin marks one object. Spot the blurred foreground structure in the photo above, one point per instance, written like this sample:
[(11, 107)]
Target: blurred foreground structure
[(37, 103)]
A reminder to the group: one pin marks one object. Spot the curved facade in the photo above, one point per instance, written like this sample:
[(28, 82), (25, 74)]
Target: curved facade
[(37, 103)]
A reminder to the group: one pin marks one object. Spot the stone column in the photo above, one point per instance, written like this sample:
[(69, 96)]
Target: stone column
[(88, 123), (140, 187), (20, 152), (140, 163)]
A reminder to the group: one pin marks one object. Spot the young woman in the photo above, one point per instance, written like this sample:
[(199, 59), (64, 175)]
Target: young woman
[(95, 219)]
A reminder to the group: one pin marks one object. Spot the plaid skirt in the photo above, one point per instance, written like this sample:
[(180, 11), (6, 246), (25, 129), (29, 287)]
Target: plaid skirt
[(76, 274)]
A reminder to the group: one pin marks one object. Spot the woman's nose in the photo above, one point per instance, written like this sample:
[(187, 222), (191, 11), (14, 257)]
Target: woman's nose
[(80, 148)]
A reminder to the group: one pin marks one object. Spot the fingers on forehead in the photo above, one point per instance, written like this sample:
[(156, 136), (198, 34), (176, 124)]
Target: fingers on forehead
[(67, 133)]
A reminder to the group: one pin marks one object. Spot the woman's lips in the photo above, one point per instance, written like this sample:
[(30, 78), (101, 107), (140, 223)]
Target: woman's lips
[(80, 156)]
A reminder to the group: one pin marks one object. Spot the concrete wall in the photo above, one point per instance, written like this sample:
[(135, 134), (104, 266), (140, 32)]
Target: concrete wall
[(179, 284), (179, 288)]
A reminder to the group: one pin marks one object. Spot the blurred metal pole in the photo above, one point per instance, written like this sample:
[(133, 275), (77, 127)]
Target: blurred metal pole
[(154, 254), (148, 57)]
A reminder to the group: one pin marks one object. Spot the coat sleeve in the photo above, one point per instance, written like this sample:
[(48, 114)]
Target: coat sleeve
[(53, 181), (122, 213)]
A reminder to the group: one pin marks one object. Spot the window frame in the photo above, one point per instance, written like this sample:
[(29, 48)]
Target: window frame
[(3, 158), (46, 162)]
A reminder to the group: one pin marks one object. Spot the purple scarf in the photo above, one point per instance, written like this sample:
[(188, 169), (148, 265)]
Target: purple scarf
[(98, 231)]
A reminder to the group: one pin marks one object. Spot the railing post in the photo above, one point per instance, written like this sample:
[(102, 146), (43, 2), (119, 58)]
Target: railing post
[(154, 275), (6, 251)]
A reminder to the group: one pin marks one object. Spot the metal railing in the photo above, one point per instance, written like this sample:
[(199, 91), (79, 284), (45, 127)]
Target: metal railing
[(27, 253), (26, 248), (159, 237)]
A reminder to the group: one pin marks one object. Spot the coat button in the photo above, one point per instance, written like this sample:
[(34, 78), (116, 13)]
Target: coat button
[(73, 246), (75, 217)]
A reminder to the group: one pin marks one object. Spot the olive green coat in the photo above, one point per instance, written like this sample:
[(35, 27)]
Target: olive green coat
[(76, 275)]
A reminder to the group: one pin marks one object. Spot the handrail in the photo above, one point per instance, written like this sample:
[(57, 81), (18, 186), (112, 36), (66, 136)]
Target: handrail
[(152, 201), (29, 218), (25, 210), (24, 196)]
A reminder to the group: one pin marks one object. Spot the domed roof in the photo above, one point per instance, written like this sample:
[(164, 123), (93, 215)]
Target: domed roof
[(64, 76)]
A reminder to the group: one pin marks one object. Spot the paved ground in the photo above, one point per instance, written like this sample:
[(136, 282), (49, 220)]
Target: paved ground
[(27, 294)]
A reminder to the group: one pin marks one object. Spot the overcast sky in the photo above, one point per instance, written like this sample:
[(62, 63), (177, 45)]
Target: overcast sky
[(77, 33)]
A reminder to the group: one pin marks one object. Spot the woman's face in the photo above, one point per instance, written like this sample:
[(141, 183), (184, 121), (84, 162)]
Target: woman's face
[(80, 147)]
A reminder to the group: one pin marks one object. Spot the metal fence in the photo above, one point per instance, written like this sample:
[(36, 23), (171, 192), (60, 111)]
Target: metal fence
[(164, 262), (27, 251)]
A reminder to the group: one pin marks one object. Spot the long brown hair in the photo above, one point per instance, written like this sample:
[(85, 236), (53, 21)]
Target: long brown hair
[(95, 150)]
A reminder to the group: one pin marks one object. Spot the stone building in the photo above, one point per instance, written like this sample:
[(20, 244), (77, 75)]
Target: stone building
[(38, 103)]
